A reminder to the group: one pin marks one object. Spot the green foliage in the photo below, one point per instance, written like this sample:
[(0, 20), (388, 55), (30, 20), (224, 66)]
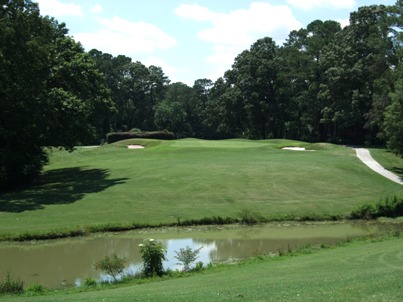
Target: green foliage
[(11, 286), (178, 112), (135, 90), (394, 120), (388, 207), (186, 256), (51, 93), (153, 254), (112, 266), (118, 136), (36, 289), (249, 217), (89, 282), (208, 221), (199, 266)]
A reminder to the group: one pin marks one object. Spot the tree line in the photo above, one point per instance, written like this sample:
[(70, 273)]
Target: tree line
[(325, 83)]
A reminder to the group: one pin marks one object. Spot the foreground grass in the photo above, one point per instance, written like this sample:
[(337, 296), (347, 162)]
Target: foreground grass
[(171, 181), (363, 271)]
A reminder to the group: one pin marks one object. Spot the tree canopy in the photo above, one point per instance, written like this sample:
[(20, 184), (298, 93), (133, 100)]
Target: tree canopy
[(51, 92)]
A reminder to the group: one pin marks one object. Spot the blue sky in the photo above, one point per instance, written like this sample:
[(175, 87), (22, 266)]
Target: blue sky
[(192, 39)]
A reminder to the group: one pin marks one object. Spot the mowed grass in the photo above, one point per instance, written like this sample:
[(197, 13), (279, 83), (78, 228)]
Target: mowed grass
[(191, 179), (371, 271), (388, 160)]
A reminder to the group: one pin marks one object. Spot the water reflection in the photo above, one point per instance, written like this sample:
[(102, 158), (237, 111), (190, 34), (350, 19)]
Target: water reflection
[(67, 262)]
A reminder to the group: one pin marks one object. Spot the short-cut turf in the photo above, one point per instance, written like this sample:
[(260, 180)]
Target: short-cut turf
[(191, 179)]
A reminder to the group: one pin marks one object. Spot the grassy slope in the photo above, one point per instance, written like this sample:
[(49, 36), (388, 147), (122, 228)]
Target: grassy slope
[(388, 160), (358, 272), (191, 179)]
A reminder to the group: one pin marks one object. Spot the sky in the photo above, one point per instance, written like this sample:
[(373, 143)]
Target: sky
[(190, 39)]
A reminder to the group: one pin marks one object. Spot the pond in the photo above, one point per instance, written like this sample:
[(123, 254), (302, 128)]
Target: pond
[(67, 262)]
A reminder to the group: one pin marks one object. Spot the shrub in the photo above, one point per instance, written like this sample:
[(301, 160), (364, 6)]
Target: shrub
[(118, 136), (186, 256), (112, 266), (10, 286), (198, 267), (153, 254), (366, 211), (249, 217), (208, 221), (36, 288), (89, 282), (389, 207)]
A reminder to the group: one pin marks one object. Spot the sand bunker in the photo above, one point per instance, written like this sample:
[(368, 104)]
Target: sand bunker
[(135, 146), (296, 149)]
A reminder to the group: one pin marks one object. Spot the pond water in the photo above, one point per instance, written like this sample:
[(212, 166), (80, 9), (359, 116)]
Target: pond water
[(67, 262)]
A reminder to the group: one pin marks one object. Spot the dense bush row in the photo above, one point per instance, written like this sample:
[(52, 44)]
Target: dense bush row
[(389, 207), (118, 136)]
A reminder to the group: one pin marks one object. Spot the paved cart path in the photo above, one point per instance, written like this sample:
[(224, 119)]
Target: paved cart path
[(366, 158)]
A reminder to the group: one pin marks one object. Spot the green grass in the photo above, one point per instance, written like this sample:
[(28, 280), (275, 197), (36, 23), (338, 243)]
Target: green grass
[(363, 271), (190, 179), (388, 160)]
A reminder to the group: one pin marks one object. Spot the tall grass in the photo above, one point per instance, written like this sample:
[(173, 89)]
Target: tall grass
[(11, 286)]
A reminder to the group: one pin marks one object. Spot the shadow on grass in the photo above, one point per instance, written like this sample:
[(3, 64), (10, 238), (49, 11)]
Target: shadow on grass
[(61, 186)]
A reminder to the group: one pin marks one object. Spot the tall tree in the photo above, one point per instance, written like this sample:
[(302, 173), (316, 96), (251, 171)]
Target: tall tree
[(81, 102), (24, 67), (255, 75), (135, 89), (40, 103), (176, 112), (361, 53), (394, 120), (393, 115), (300, 77), (218, 119), (202, 89)]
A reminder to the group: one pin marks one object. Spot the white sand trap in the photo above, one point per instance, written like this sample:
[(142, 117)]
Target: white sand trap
[(294, 148), (135, 146)]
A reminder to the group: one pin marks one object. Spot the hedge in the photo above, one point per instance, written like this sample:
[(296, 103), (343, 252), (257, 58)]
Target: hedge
[(118, 136)]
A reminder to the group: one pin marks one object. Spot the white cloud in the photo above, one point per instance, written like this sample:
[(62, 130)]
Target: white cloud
[(243, 26), (235, 31), (343, 22), (311, 4), (169, 70), (119, 36), (97, 9), (194, 12), (56, 8), (224, 54)]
